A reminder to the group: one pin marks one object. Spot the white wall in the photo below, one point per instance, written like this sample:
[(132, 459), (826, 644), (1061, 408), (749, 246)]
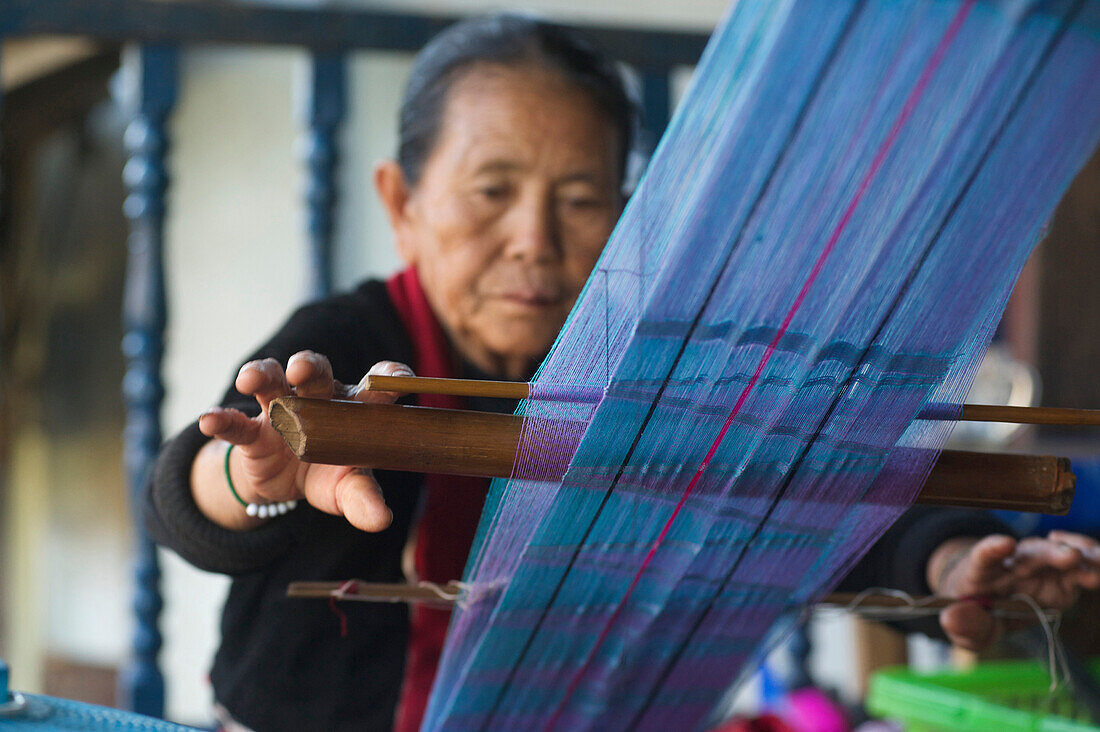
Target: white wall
[(237, 261)]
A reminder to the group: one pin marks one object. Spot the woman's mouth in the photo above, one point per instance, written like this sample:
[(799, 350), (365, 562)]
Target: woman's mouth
[(531, 298)]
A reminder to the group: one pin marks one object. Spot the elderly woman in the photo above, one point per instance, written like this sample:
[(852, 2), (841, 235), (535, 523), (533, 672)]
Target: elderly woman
[(508, 182)]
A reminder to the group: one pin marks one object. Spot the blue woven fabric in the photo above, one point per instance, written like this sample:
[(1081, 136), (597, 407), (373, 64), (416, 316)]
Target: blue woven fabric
[(821, 246)]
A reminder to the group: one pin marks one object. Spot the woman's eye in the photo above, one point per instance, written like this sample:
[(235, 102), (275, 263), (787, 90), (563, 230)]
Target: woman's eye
[(583, 202), (493, 193)]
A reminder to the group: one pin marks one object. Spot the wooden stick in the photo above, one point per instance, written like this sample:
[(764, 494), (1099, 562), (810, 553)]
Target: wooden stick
[(1030, 415), (397, 592), (448, 594), (456, 442), (874, 601), (1034, 483), (449, 387), (521, 390), (393, 437)]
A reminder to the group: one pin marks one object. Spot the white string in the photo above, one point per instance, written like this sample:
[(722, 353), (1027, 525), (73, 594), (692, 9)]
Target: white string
[(1049, 621), (443, 592), (913, 607)]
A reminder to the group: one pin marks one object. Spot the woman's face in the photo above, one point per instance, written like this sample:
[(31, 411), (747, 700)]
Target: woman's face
[(512, 209)]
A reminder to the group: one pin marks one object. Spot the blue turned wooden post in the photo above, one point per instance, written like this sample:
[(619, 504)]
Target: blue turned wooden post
[(325, 108), (798, 647), (141, 685), (3, 213), (656, 104)]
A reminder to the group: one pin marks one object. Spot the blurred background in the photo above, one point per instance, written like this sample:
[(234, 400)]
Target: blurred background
[(236, 260)]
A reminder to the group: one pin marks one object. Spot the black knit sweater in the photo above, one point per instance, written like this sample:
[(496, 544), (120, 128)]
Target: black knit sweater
[(282, 664)]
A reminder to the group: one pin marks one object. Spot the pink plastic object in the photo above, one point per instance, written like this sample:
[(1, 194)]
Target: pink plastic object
[(810, 710)]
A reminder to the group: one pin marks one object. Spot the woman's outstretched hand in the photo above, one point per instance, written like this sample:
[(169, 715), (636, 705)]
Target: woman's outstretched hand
[(264, 469), (1051, 570)]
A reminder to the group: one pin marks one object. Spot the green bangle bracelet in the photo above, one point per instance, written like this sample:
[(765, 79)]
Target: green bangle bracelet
[(229, 478), (260, 510)]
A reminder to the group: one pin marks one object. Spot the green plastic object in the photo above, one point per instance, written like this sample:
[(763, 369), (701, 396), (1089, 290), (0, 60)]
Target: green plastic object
[(1010, 696)]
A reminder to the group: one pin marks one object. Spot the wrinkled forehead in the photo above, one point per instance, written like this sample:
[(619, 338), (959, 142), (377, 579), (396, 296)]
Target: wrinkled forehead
[(522, 115)]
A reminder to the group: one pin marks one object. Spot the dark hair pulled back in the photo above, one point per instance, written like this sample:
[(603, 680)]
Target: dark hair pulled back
[(503, 39)]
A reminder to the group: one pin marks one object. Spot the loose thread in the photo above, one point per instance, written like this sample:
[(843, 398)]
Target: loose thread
[(983, 601), (1056, 653), (445, 594), (1049, 621), (913, 608), (343, 592)]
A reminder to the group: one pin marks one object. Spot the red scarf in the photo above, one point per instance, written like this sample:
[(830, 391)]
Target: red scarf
[(452, 505)]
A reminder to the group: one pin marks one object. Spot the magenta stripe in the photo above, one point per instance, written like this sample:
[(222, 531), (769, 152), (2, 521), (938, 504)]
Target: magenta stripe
[(880, 156)]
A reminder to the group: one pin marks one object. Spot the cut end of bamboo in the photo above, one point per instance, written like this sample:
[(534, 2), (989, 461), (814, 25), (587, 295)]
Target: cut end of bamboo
[(288, 424)]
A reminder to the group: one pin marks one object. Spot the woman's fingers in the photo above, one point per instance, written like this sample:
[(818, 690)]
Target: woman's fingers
[(1088, 579), (1035, 556), (231, 425), (348, 492), (1051, 570), (359, 499), (382, 368), (1089, 547), (351, 493), (969, 626), (264, 379), (311, 375), (983, 565), (1081, 574)]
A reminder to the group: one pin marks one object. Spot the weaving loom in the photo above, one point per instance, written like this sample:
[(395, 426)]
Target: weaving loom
[(817, 256)]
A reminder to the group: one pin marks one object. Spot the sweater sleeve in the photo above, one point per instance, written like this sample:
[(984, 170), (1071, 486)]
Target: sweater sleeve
[(354, 330), (174, 520)]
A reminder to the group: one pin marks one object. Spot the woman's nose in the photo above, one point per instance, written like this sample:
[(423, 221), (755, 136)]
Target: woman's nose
[(534, 233)]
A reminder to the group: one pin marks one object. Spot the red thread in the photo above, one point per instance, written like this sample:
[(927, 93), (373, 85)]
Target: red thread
[(348, 588), (983, 601), (880, 156)]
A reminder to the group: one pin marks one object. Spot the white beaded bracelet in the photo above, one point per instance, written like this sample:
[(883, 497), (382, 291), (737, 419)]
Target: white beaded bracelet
[(269, 510), (259, 510)]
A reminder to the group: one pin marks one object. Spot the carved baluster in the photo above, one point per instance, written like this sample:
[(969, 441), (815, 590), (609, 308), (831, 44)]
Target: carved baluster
[(141, 685), (325, 107), (3, 223), (656, 105), (799, 649)]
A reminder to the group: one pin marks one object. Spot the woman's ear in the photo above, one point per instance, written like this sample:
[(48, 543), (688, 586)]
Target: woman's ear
[(395, 194)]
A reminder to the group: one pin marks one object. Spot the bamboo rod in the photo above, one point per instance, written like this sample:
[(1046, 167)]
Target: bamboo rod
[(1034, 483), (393, 437), (457, 442), (1030, 415), (448, 387), (521, 390), (448, 594)]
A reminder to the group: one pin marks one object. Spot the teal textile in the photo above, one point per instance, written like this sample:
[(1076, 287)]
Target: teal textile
[(821, 247)]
